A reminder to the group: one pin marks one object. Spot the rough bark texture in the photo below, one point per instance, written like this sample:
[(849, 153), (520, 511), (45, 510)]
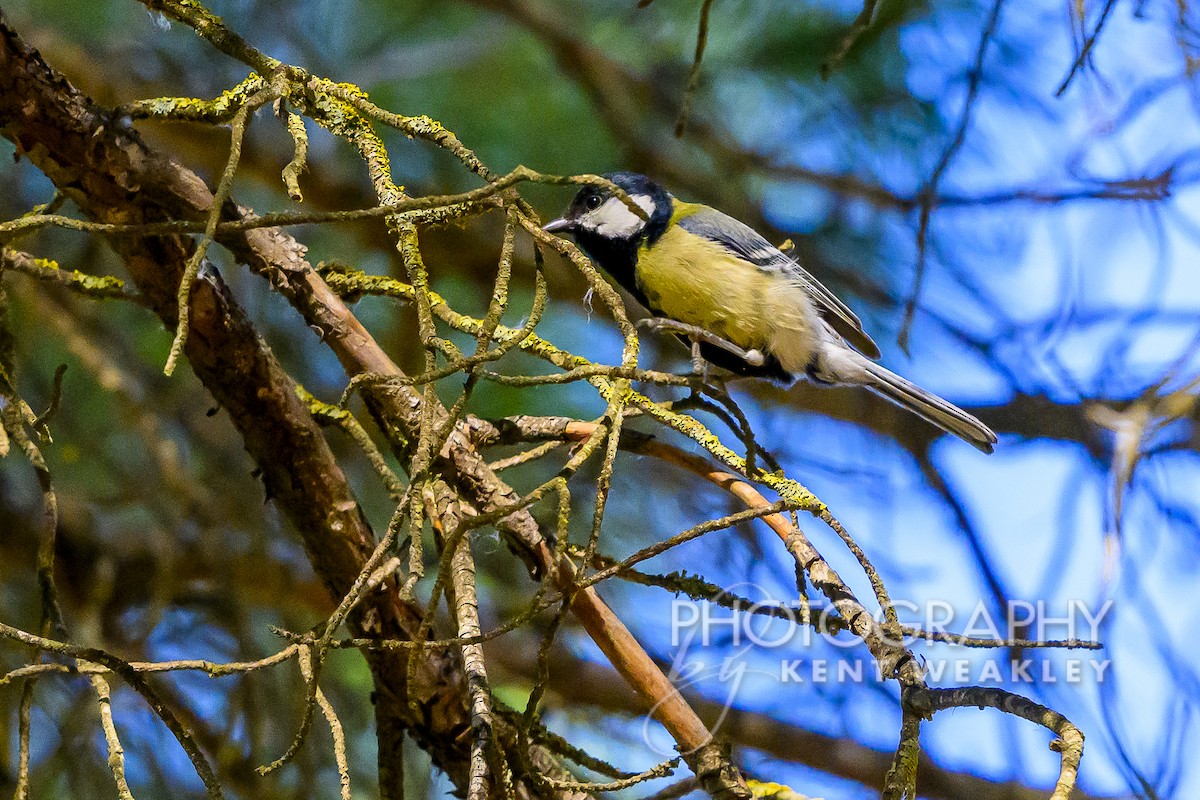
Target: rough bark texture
[(113, 177)]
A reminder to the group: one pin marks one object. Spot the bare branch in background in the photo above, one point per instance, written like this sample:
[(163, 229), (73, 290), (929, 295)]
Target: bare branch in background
[(497, 622), (862, 23), (685, 108), (930, 188)]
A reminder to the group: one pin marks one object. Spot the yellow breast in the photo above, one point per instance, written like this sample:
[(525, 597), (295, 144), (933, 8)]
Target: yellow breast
[(694, 280)]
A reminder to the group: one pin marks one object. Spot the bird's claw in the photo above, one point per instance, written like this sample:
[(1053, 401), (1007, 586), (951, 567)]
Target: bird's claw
[(754, 358)]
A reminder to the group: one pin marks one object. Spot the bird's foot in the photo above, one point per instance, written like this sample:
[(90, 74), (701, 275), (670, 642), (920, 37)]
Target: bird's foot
[(754, 358)]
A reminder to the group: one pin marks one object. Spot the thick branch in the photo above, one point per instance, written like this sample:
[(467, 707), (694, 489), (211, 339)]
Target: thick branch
[(113, 177)]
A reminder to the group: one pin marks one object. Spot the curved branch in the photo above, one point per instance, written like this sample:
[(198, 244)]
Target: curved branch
[(1070, 741)]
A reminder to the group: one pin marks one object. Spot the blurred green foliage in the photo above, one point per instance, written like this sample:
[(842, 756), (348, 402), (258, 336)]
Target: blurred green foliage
[(168, 547)]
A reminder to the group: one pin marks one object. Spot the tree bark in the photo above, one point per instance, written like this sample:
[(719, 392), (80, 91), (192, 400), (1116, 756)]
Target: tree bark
[(112, 176)]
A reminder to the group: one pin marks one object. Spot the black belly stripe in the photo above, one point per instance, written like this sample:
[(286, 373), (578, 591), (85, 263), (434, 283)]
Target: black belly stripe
[(726, 360), (617, 257)]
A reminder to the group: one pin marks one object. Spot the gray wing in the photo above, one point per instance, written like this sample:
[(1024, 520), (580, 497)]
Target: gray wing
[(744, 242)]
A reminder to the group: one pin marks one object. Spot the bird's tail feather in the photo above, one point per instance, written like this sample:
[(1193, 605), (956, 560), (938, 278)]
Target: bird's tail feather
[(929, 407)]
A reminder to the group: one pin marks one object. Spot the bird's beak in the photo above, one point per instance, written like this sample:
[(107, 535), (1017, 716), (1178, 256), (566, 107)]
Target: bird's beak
[(560, 225)]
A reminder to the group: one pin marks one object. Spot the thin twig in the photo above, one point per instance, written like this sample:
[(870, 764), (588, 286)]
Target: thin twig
[(1069, 744), (137, 682), (1086, 51), (291, 172), (368, 578), (116, 753), (335, 724), (525, 457), (930, 188), (213, 669), (861, 24), (685, 107), (224, 188)]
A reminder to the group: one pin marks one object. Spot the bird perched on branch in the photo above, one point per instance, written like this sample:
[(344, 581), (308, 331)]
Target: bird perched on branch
[(744, 305)]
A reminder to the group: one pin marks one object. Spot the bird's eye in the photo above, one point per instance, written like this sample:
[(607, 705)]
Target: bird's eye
[(592, 202)]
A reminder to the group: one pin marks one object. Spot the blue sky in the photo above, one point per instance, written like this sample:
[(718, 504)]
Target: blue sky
[(1090, 299), (1096, 298)]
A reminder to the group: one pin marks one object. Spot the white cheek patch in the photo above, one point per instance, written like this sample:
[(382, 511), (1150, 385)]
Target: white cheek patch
[(615, 220)]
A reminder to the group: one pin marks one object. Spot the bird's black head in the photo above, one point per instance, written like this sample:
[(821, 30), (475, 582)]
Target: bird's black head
[(608, 230), (596, 212)]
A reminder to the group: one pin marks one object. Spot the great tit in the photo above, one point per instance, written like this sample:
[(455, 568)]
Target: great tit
[(746, 306)]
